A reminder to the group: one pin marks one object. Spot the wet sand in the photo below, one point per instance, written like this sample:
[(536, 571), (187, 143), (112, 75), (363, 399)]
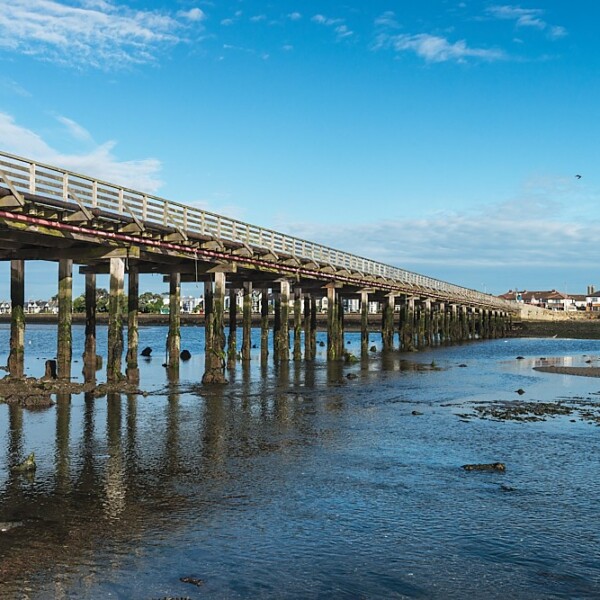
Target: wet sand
[(581, 371)]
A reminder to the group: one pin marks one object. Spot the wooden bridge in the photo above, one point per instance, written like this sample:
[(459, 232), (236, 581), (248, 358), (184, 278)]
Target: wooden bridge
[(48, 213)]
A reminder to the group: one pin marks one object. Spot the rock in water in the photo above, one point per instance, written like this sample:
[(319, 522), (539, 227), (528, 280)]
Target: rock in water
[(497, 466), (147, 351), (50, 371), (185, 355), (27, 465), (193, 580)]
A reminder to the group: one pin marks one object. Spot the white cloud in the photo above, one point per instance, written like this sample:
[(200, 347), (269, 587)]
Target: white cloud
[(434, 48), (341, 30), (527, 17), (76, 131), (322, 20), (97, 33), (194, 14), (387, 19), (295, 16), (99, 162), (258, 18)]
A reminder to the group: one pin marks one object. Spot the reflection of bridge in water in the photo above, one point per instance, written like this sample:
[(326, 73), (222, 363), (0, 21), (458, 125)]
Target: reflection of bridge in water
[(48, 213)]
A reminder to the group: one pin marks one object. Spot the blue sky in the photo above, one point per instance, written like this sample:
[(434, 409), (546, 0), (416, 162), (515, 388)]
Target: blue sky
[(439, 136)]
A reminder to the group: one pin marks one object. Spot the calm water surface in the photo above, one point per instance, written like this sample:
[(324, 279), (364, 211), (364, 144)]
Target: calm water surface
[(297, 482)]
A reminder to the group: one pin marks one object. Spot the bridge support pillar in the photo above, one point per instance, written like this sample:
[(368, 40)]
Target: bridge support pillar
[(407, 324), (283, 345), (297, 324), (132, 370), (115, 320), (65, 316), (264, 325), (334, 332), (442, 322), (313, 326), (247, 321), (428, 325), (232, 337), (306, 322), (16, 357), (364, 323), (89, 351), (454, 325), (174, 335), (463, 323), (214, 304), (387, 322)]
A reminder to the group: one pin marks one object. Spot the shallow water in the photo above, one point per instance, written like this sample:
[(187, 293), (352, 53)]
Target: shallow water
[(297, 482)]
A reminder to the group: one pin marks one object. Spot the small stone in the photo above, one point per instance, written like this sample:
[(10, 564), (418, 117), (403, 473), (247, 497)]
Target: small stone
[(520, 391), (351, 376), (193, 580), (185, 355), (462, 365), (373, 349), (497, 466), (520, 358), (147, 351), (416, 413)]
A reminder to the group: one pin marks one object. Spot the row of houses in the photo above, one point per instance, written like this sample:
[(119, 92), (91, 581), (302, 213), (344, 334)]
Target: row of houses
[(192, 304), (555, 300)]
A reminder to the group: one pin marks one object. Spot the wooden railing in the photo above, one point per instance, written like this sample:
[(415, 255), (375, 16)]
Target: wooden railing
[(59, 184)]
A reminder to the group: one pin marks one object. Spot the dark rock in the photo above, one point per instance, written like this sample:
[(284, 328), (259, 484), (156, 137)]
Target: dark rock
[(322, 344), (254, 346), (520, 391), (463, 365), (351, 376), (373, 349), (498, 466), (147, 351), (185, 355), (193, 580), (50, 370), (520, 358), (416, 413), (507, 488), (26, 466)]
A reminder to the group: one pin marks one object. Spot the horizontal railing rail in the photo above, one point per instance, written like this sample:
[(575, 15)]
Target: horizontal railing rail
[(59, 184)]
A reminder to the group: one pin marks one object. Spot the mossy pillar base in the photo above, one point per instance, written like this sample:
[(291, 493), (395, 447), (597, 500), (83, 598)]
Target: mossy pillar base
[(65, 315), (115, 320), (174, 335), (214, 366), (427, 323), (16, 357), (334, 333), (131, 360)]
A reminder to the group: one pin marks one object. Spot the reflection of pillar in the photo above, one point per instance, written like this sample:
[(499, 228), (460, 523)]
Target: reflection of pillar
[(65, 310), (174, 335), (247, 321), (89, 353), (17, 319), (264, 325), (115, 320), (63, 420), (232, 338), (364, 323), (15, 431), (115, 487), (297, 324), (214, 369), (133, 373)]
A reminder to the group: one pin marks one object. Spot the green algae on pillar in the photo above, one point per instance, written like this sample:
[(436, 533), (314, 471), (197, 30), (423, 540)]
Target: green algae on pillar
[(427, 326), (174, 335), (65, 312), (131, 359), (333, 324), (247, 321), (16, 357), (115, 320), (214, 366), (232, 337)]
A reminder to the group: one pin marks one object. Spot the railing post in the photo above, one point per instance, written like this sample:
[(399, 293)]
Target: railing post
[(32, 178)]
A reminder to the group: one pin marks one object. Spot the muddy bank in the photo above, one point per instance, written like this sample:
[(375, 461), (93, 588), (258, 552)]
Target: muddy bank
[(581, 371), (581, 329)]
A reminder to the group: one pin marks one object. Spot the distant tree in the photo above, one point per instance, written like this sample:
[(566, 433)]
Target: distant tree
[(150, 302)]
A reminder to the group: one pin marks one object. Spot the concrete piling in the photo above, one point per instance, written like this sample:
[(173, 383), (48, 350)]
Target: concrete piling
[(174, 335), (65, 312), (247, 321), (214, 353), (16, 358), (115, 320), (132, 371)]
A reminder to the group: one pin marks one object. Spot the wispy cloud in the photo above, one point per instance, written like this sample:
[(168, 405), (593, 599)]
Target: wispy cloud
[(339, 27), (527, 17), (97, 33), (295, 16), (75, 129), (433, 48), (100, 161)]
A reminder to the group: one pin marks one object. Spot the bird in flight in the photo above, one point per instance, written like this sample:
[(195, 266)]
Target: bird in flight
[(577, 176)]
